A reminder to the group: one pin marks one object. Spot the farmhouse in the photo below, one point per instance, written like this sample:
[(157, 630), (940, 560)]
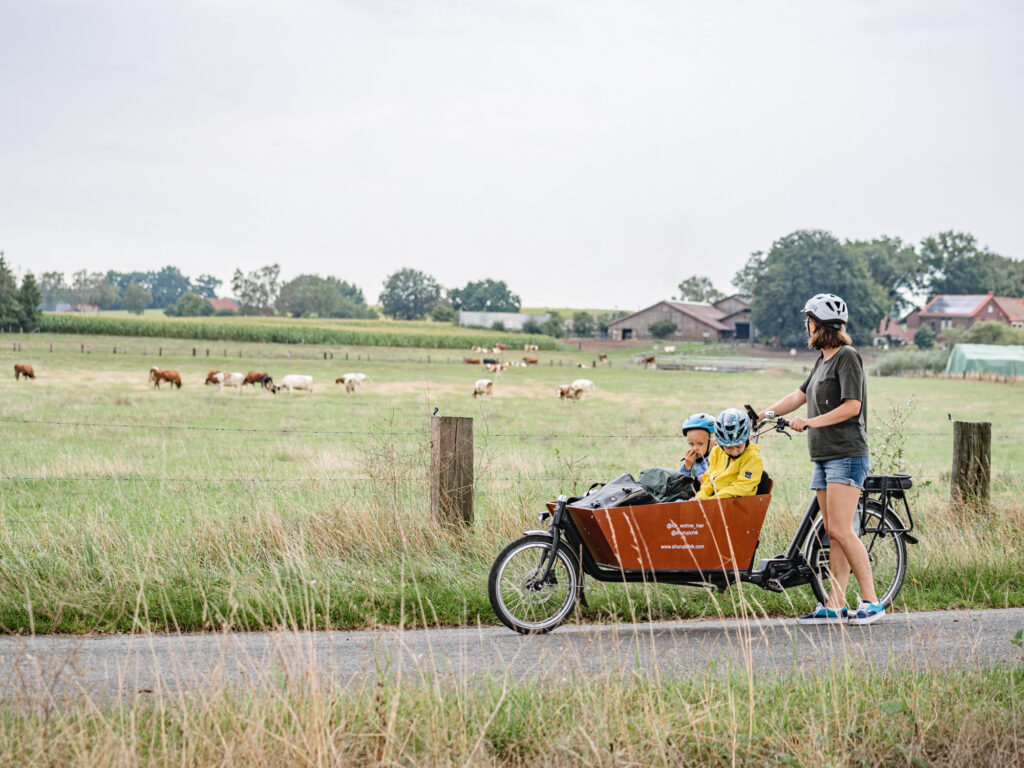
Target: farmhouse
[(724, 320), (219, 304), (890, 333), (963, 311)]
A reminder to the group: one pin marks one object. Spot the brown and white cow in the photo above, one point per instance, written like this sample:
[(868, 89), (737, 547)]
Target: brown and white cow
[(351, 381), (471, 360), (172, 377), (582, 387), (255, 378), (23, 369), (530, 360), (483, 387)]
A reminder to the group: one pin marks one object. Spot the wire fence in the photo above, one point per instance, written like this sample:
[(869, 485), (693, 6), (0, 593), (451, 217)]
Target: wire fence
[(406, 433), (571, 479)]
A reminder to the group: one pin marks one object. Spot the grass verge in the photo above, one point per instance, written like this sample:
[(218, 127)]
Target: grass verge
[(841, 718)]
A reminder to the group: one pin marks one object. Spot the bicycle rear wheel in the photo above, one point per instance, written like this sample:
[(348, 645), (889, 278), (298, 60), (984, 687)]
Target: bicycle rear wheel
[(887, 552)]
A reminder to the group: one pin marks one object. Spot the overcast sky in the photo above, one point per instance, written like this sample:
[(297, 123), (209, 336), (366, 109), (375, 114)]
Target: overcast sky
[(589, 153)]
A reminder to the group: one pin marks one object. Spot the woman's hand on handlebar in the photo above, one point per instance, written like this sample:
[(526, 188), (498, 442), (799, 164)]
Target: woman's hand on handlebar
[(799, 424)]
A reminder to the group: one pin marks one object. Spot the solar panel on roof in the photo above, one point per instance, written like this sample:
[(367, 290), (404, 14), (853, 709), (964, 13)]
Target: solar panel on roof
[(955, 305)]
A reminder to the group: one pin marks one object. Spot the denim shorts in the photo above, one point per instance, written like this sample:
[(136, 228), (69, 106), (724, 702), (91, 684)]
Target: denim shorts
[(850, 471)]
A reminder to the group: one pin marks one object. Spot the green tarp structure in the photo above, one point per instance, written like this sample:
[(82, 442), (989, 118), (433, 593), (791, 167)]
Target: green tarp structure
[(997, 359)]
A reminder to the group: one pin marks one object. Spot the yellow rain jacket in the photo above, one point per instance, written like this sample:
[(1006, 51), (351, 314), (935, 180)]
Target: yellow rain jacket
[(728, 477)]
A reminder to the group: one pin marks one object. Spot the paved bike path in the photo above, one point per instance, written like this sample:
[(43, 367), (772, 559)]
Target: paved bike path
[(128, 665)]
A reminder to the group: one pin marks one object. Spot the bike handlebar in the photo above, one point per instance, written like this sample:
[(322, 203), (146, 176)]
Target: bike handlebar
[(757, 424)]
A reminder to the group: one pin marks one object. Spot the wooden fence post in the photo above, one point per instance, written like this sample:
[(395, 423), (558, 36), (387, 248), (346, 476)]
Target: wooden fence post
[(972, 464), (451, 469)]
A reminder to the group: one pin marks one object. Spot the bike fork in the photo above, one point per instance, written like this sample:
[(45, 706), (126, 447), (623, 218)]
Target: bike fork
[(547, 563)]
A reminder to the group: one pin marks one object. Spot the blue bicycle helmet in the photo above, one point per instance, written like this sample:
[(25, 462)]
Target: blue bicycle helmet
[(732, 427), (703, 421)]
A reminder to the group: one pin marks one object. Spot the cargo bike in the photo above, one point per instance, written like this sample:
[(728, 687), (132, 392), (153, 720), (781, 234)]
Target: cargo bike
[(537, 580)]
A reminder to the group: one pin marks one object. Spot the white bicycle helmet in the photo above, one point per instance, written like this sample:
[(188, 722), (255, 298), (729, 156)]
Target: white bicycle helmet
[(827, 308)]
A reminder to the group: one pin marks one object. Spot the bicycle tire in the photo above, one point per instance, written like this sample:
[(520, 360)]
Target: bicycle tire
[(887, 550), (546, 617)]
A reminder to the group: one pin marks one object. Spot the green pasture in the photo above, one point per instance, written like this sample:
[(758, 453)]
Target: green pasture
[(123, 507)]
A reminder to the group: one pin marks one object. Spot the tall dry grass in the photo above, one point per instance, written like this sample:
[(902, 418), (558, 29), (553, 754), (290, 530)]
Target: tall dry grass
[(840, 718)]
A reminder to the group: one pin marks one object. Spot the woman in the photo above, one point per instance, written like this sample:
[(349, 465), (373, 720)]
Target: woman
[(836, 396)]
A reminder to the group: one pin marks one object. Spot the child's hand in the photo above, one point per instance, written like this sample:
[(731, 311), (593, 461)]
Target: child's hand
[(691, 456)]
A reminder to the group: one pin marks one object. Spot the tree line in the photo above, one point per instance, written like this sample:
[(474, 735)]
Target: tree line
[(876, 277), (19, 304), (879, 277)]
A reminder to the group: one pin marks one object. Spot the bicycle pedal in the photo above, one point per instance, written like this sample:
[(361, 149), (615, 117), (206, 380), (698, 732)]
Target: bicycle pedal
[(774, 585)]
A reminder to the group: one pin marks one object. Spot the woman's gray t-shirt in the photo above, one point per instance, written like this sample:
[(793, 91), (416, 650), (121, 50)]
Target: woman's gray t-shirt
[(831, 381)]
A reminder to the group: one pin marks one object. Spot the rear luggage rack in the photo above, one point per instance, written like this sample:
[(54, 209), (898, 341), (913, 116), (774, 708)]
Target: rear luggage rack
[(888, 489), (887, 483)]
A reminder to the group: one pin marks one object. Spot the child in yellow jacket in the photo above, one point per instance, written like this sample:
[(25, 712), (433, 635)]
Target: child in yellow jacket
[(734, 466)]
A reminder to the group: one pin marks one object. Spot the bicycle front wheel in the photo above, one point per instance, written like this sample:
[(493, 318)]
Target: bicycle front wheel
[(879, 531), (520, 599)]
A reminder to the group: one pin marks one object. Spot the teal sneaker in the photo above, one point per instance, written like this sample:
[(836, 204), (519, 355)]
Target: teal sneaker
[(823, 615), (867, 613)]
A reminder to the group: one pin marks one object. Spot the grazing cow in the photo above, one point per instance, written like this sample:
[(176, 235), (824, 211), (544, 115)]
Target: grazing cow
[(483, 387), (497, 368), (669, 350), (648, 361), (172, 377), (235, 380), (531, 348), (211, 378), (23, 369), (530, 360), (294, 381), (351, 381), (500, 347), (603, 357), (254, 378), (268, 383), (582, 387), (491, 361)]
